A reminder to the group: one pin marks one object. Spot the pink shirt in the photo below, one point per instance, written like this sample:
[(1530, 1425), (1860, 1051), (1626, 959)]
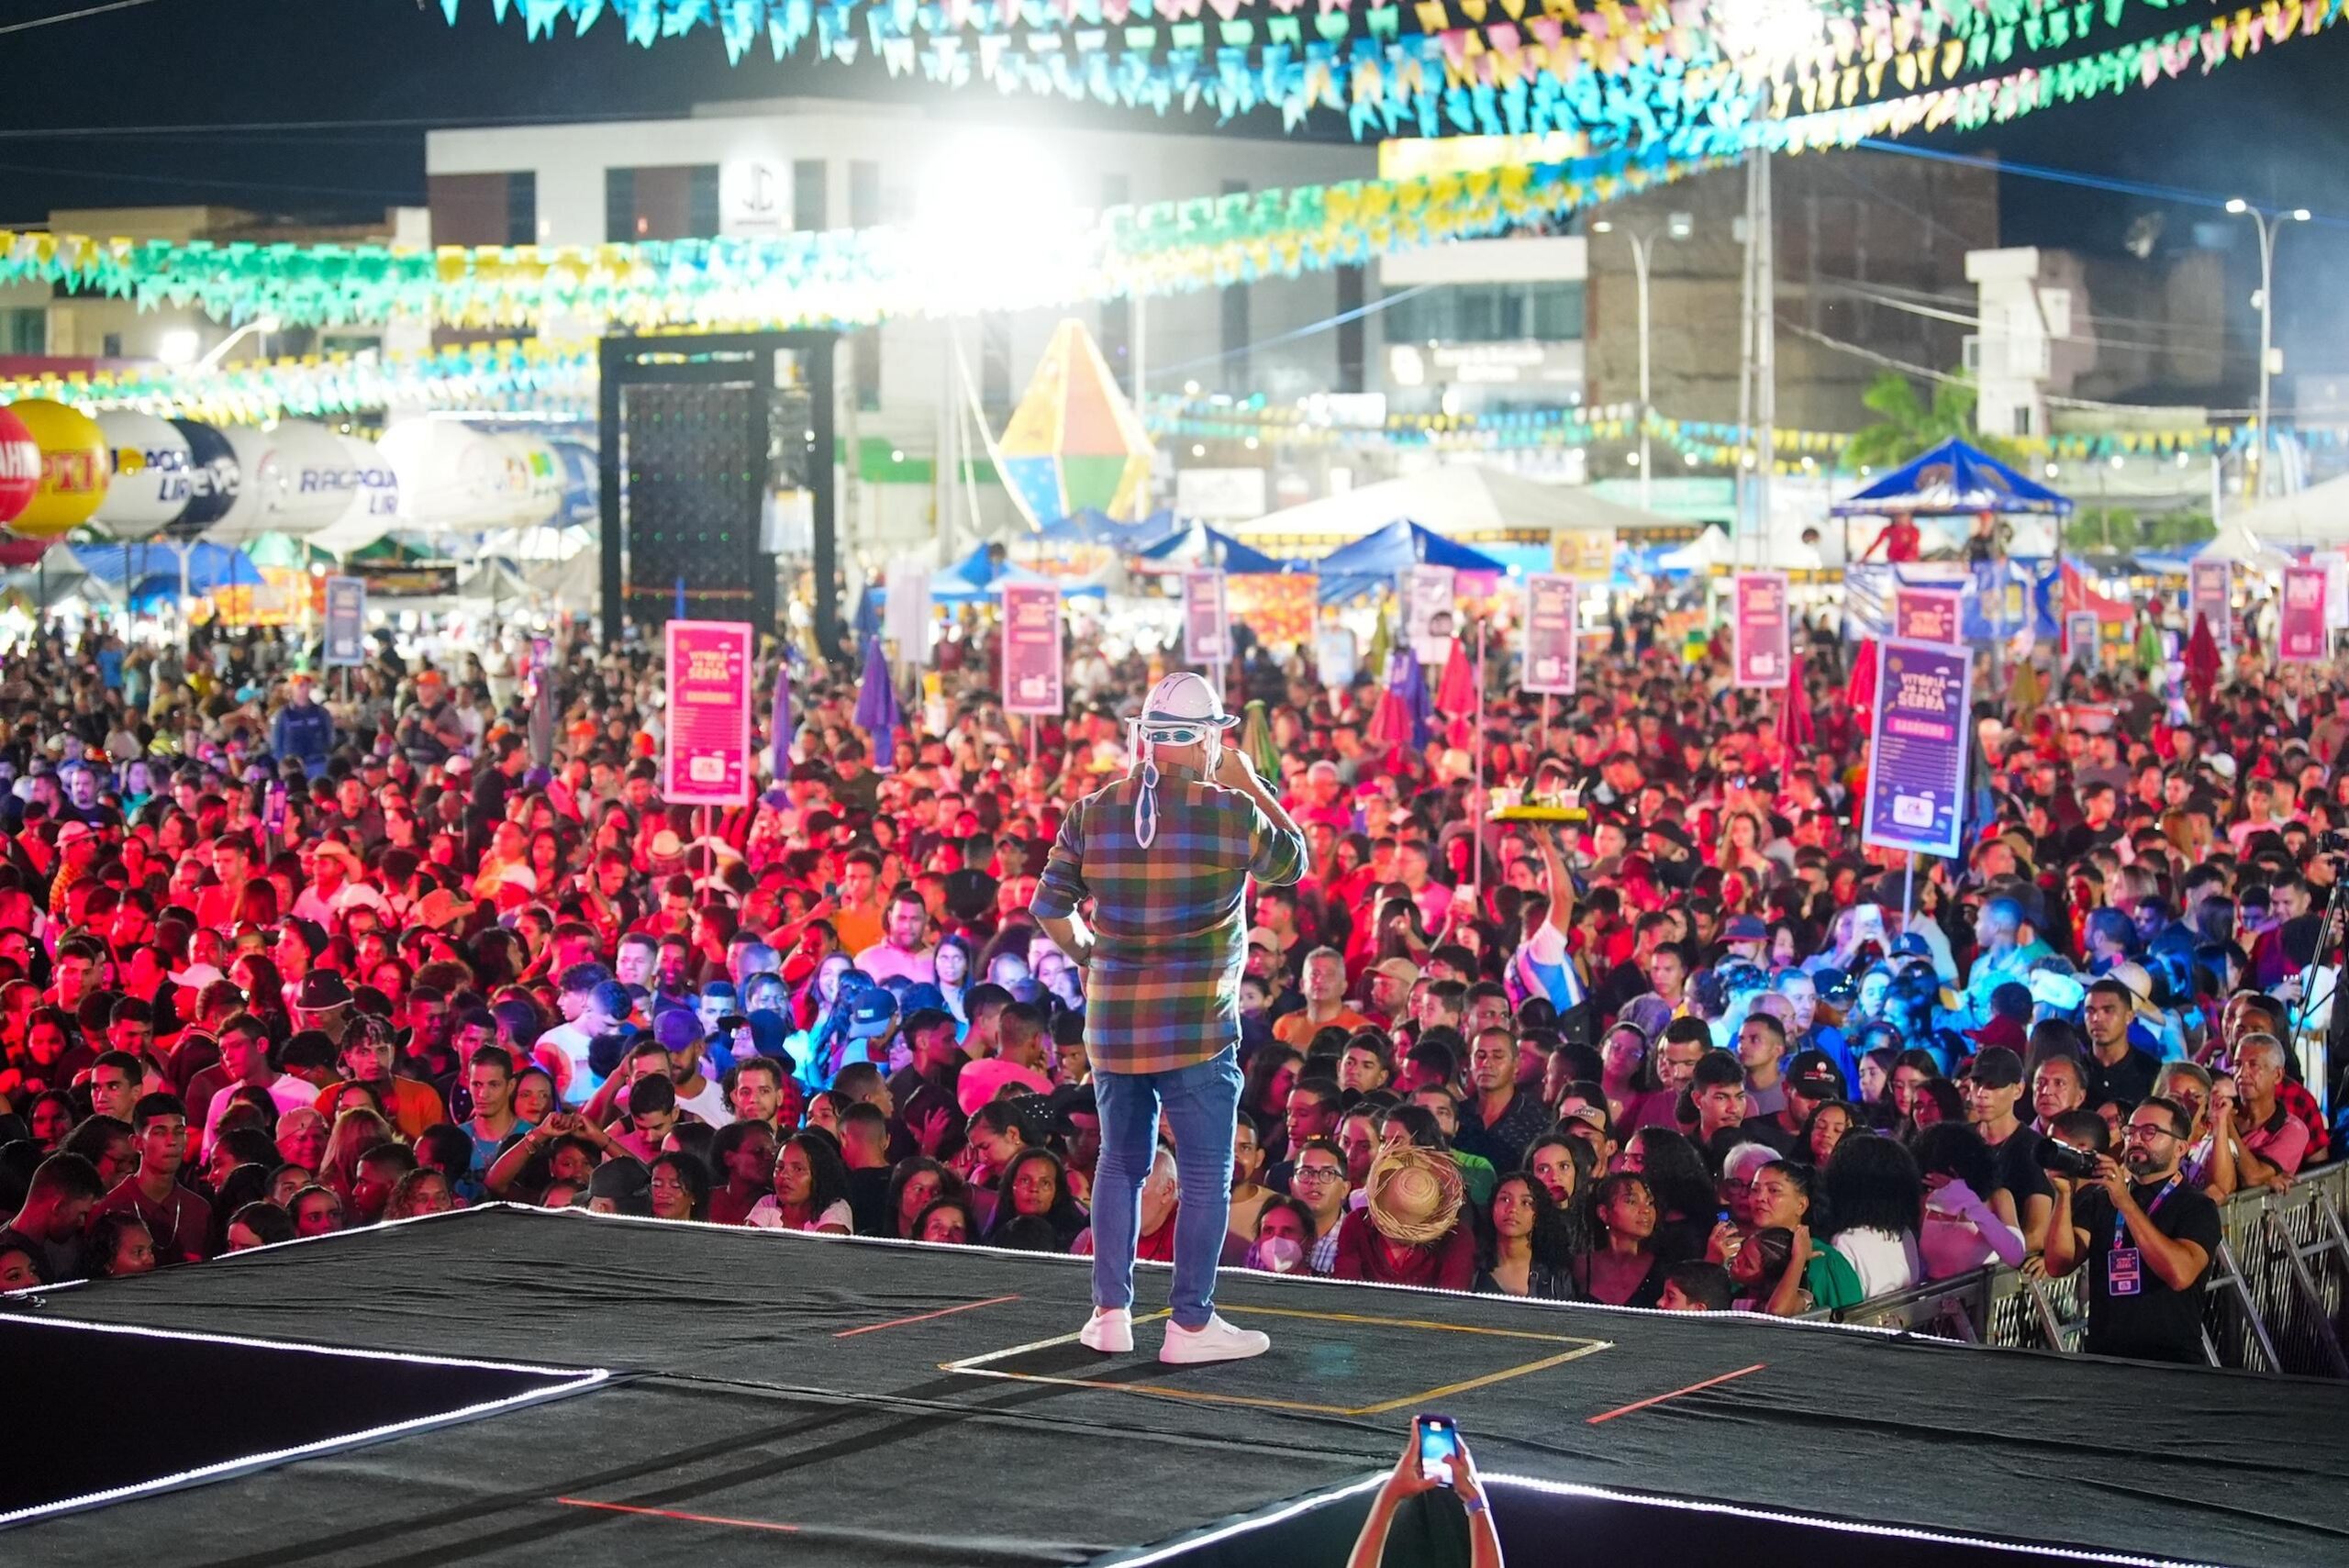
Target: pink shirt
[(982, 1080)]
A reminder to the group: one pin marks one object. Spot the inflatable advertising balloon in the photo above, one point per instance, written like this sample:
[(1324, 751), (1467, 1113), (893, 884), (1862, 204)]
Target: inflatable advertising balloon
[(150, 484), (534, 475), (19, 465), (214, 478), (73, 469), (375, 508), (295, 478), (583, 503), (454, 479)]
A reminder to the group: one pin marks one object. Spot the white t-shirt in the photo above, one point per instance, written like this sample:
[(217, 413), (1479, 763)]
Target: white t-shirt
[(579, 1082), (289, 1092), (709, 1103), (1883, 1261), (768, 1215)]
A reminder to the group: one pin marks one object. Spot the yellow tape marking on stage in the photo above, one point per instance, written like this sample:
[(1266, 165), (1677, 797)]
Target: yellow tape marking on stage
[(977, 1366)]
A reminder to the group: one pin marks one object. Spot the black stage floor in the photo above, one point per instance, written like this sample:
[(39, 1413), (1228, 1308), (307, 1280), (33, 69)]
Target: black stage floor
[(788, 1397)]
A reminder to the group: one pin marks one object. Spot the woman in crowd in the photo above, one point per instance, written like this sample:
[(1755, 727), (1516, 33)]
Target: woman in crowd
[(1963, 1228), (1621, 1268), (680, 1187), (1828, 1125), (1035, 1187), (1874, 1202), (118, 1245), (1531, 1251), (741, 1164), (810, 1189), (1680, 1187), (946, 1221), (915, 1183)]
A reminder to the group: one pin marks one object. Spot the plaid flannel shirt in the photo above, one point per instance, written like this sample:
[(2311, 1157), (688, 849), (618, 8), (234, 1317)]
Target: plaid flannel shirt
[(1163, 992)]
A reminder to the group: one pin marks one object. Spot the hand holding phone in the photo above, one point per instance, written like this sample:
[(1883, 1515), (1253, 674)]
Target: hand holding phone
[(1439, 1450)]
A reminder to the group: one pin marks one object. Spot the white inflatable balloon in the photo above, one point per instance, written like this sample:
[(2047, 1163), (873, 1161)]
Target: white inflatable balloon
[(297, 478), (153, 475), (452, 478), (375, 508), (534, 473)]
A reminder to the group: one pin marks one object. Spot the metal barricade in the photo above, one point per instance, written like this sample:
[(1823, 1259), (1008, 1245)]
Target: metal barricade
[(1956, 1308), (2033, 1313)]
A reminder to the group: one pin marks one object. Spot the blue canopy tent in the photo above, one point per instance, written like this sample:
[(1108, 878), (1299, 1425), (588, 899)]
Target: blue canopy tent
[(1217, 549), (1375, 561), (978, 576), (1953, 480), (143, 573), (1093, 526)]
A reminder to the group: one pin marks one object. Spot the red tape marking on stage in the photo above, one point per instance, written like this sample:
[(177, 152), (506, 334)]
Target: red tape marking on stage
[(924, 1316), (673, 1514), (1660, 1398)]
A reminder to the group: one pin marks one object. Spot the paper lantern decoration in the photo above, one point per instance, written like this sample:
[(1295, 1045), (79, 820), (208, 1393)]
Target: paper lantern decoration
[(1074, 444), (73, 469), (214, 478), (19, 465), (151, 482)]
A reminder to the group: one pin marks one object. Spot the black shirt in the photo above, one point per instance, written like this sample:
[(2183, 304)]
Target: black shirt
[(2129, 1080), (2019, 1169), (1511, 1133), (2157, 1323)]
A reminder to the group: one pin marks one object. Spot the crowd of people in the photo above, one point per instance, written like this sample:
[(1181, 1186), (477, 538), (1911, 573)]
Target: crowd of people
[(280, 957)]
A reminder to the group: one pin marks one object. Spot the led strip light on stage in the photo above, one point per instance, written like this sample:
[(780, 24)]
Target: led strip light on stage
[(575, 1380)]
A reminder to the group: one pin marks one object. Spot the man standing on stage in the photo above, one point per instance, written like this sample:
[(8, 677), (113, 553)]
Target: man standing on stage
[(1166, 855)]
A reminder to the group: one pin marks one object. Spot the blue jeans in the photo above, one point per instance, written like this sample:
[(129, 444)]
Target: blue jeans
[(1202, 1105)]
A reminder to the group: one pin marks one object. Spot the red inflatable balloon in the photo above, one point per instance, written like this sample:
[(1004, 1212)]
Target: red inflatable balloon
[(19, 465), (18, 551)]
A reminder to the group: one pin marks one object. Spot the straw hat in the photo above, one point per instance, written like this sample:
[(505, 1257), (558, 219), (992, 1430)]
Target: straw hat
[(1413, 1195)]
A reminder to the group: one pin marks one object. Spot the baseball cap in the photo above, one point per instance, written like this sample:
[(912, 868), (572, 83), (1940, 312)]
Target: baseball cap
[(1745, 928), (1398, 969), (322, 989), (677, 1029), (1814, 1075)]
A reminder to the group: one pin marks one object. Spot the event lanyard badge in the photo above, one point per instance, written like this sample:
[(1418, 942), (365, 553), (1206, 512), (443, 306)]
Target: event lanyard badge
[(2125, 1267)]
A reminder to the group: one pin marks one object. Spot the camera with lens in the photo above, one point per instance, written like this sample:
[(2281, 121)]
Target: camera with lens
[(2061, 1159)]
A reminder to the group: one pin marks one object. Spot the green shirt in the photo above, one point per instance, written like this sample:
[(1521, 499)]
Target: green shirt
[(1833, 1284), (1478, 1178)]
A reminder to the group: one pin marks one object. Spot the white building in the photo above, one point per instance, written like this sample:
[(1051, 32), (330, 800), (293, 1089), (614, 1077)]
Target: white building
[(805, 164)]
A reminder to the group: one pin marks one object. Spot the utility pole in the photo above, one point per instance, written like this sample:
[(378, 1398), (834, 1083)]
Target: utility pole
[(2266, 224)]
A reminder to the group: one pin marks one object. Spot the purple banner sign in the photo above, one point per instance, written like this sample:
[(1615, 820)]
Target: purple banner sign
[(1928, 614), (2300, 634), (1918, 748), (1550, 651), (1031, 648), (709, 715), (1758, 618)]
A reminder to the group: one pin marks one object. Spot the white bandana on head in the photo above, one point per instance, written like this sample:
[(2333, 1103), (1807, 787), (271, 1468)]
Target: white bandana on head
[(1180, 710)]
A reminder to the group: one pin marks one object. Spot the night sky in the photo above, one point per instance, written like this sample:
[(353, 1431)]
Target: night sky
[(2269, 127)]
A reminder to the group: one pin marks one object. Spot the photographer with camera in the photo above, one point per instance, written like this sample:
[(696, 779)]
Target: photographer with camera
[(2146, 1233)]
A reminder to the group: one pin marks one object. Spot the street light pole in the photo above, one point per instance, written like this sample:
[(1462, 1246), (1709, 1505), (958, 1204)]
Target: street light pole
[(1640, 244), (1676, 226), (2262, 221)]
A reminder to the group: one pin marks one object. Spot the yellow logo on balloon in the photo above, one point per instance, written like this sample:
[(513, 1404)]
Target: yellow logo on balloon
[(73, 469), (129, 459)]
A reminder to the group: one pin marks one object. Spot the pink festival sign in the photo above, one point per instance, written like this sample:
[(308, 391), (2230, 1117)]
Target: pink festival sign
[(1758, 619), (2300, 634), (1549, 646), (708, 714), (1927, 615), (1031, 648)]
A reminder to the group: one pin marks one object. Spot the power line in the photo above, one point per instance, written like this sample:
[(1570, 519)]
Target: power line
[(72, 15), (103, 174), (1343, 316), (2178, 194)]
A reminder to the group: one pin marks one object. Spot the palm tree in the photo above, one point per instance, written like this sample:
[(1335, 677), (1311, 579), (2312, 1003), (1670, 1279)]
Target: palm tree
[(1907, 427)]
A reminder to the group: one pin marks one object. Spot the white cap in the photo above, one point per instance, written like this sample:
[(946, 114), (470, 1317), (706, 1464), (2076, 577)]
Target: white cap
[(1184, 700)]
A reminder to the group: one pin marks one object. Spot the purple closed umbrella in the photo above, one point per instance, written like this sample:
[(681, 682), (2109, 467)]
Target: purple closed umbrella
[(779, 727), (877, 706)]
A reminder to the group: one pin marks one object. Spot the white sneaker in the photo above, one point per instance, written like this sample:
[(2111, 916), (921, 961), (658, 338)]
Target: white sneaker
[(1109, 1331), (1218, 1341)]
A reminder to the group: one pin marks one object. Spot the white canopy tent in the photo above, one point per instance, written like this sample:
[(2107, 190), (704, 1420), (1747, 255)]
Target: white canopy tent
[(2318, 515), (2234, 542), (1458, 501)]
